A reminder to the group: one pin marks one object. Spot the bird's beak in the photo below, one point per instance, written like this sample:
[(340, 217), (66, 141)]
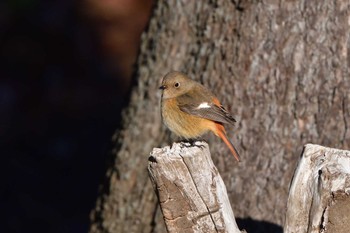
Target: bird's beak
[(162, 87)]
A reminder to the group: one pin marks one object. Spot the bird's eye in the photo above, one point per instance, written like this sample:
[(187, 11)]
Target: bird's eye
[(176, 85)]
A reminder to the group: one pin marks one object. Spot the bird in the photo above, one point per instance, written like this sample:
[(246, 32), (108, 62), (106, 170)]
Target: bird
[(190, 110)]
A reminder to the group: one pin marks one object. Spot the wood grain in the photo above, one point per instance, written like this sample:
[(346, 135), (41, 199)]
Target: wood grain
[(190, 190), (319, 197)]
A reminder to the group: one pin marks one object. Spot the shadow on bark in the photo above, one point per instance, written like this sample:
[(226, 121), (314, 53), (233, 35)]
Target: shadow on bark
[(256, 226)]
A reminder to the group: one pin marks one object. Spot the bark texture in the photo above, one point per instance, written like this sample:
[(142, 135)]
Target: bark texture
[(190, 191), (319, 197), (281, 67)]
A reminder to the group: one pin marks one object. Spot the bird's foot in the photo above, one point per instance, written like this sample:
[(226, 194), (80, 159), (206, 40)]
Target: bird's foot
[(193, 142)]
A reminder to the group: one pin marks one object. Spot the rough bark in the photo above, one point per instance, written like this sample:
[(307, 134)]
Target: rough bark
[(190, 191), (319, 198), (281, 67)]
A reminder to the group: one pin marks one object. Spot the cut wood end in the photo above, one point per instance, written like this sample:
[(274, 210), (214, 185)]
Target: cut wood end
[(311, 149), (178, 148), (336, 160)]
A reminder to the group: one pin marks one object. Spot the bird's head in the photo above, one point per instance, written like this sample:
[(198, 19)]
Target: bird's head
[(175, 84)]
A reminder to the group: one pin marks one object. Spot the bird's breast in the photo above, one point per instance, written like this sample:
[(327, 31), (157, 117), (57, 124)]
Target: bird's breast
[(181, 123)]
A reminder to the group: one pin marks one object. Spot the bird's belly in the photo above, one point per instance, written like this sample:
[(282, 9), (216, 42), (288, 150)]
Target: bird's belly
[(183, 124)]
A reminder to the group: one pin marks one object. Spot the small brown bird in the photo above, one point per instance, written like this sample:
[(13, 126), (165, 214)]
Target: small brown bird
[(190, 110)]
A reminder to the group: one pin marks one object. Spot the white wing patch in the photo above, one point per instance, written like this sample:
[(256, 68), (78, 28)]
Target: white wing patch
[(203, 105)]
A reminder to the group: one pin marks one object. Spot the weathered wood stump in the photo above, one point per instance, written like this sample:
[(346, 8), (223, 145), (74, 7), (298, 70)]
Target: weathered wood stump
[(319, 198), (190, 190)]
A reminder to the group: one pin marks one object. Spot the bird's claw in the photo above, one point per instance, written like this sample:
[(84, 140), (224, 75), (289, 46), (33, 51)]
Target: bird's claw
[(193, 143)]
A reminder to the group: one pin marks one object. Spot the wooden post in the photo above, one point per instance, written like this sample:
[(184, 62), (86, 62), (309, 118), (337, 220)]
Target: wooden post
[(190, 190), (319, 198)]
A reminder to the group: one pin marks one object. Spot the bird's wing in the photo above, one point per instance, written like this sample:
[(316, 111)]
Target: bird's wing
[(205, 107)]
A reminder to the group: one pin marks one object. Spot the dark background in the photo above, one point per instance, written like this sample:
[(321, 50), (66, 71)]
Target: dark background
[(65, 68)]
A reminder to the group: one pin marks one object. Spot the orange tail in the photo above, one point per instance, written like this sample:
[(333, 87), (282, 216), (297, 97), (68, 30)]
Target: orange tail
[(220, 131)]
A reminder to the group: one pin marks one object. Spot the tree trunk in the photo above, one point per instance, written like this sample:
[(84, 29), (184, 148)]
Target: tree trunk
[(190, 190), (281, 67), (319, 195)]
